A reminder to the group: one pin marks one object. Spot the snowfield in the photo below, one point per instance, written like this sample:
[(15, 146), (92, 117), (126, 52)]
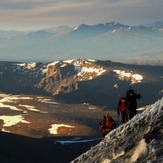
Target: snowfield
[(140, 140), (54, 127), (135, 78)]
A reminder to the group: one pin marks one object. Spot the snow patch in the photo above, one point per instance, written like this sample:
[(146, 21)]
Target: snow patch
[(91, 60), (118, 155), (116, 86), (31, 108), (54, 128), (52, 63), (92, 108), (12, 120), (29, 65), (114, 31), (161, 91), (91, 70), (9, 106), (141, 149), (106, 161), (69, 61), (48, 101), (123, 75)]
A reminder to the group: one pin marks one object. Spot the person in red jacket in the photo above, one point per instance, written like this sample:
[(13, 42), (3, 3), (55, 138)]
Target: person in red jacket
[(122, 108), (107, 124)]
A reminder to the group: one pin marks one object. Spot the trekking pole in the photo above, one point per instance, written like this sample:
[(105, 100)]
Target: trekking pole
[(99, 132), (118, 120), (142, 100)]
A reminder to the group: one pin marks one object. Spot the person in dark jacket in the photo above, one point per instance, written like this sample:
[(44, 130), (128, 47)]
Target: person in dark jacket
[(122, 109), (131, 102), (107, 124)]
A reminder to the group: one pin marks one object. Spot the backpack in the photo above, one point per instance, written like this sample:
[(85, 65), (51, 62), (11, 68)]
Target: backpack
[(122, 104)]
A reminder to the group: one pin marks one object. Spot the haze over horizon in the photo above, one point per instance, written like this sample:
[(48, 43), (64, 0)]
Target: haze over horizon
[(39, 14)]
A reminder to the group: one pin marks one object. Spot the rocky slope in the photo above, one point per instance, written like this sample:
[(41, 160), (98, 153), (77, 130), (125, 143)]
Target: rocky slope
[(89, 81), (139, 140), (64, 76)]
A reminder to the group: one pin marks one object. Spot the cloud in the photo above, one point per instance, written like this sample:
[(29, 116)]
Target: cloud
[(23, 5), (74, 12)]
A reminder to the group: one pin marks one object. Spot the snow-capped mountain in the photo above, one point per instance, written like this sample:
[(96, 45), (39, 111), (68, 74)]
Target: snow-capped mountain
[(82, 81), (139, 140), (109, 41)]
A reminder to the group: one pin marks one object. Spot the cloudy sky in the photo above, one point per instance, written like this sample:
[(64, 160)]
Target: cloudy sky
[(38, 14)]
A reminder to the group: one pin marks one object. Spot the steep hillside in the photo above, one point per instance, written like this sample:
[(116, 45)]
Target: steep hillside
[(139, 140)]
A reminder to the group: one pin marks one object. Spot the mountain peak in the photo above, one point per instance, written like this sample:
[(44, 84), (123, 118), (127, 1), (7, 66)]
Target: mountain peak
[(102, 25), (113, 24), (82, 26)]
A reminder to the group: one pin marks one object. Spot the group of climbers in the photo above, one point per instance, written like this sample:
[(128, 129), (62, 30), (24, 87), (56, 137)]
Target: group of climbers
[(126, 108)]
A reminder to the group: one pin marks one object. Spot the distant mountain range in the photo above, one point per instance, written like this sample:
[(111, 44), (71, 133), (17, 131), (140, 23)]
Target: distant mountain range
[(109, 41), (82, 81), (154, 24)]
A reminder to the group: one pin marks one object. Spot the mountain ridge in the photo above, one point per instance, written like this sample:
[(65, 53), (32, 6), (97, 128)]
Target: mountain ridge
[(108, 41), (83, 81)]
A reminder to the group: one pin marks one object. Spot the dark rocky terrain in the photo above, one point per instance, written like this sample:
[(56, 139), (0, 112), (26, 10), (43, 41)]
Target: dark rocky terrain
[(36, 98), (82, 81), (139, 140), (20, 149)]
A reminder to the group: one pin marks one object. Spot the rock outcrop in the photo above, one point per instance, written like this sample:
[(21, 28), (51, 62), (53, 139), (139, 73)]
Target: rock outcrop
[(64, 76)]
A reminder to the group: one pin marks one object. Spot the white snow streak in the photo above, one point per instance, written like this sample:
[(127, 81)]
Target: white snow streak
[(141, 149), (54, 128), (12, 120), (123, 75)]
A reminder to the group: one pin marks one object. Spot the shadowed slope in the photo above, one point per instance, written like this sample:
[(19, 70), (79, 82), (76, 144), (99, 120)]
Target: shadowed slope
[(20, 149)]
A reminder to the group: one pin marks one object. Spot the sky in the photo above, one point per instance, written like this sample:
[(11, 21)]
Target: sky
[(39, 14)]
